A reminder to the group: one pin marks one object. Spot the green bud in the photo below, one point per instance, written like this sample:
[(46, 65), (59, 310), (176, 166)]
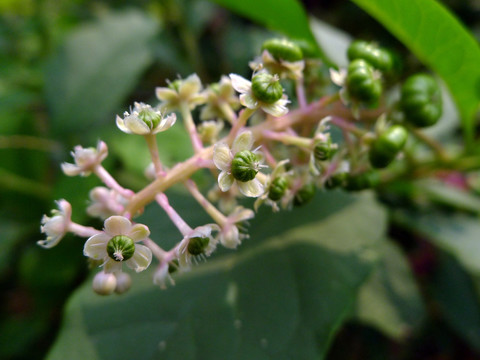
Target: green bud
[(175, 85), (421, 100), (150, 117), (267, 88), (173, 266), (120, 248), (363, 84), (323, 150), (305, 194), (283, 49), (197, 245), (244, 166), (386, 147), (366, 180), (277, 188), (376, 56), (336, 180)]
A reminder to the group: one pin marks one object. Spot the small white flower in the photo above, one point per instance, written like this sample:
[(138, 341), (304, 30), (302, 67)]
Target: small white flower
[(199, 243), (210, 130), (118, 243), (230, 235), (105, 202), (56, 227), (220, 100), (181, 91), (162, 276), (248, 99), (86, 159), (239, 165), (145, 120)]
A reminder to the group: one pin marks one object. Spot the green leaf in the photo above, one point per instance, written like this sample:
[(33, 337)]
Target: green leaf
[(282, 297), (455, 233), (96, 68), (441, 42), (390, 300), (285, 16)]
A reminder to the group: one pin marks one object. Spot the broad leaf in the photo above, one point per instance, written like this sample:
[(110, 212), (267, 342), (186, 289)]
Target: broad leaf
[(96, 68), (437, 38), (282, 297), (390, 300)]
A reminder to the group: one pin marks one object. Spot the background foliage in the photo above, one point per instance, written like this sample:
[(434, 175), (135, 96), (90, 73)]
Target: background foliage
[(402, 281)]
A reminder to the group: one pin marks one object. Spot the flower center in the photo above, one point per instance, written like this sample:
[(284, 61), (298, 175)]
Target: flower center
[(120, 248), (267, 88), (150, 117), (245, 166), (197, 245)]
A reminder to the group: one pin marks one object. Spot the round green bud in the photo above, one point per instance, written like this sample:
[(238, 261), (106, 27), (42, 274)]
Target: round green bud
[(336, 180), (197, 245), (267, 88), (376, 56), (283, 49), (150, 117), (120, 248), (421, 100), (277, 188), (366, 180), (386, 147), (244, 166), (323, 150), (305, 194), (363, 84)]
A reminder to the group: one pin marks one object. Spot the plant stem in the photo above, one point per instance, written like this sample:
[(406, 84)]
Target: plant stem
[(214, 213), (108, 180), (191, 128), (177, 220), (153, 149)]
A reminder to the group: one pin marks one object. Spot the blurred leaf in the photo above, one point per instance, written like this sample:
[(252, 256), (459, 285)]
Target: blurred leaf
[(390, 300), (11, 236), (282, 297), (455, 233), (285, 16), (439, 40), (453, 290), (97, 67)]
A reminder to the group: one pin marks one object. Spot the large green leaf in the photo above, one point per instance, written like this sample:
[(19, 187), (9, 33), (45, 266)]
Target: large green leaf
[(440, 41), (97, 67), (390, 299), (282, 297)]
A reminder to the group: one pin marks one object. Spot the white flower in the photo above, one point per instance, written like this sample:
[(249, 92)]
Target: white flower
[(162, 275), (56, 227), (244, 87), (198, 243), (230, 236), (286, 69), (145, 120), (209, 131), (181, 91), (86, 159), (244, 175), (105, 202), (220, 101), (118, 243), (277, 187)]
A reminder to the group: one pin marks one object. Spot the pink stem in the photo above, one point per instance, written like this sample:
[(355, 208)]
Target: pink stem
[(177, 220), (108, 180)]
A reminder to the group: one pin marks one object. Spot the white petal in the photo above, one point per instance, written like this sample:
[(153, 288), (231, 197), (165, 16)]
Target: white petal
[(70, 169), (243, 141), (222, 156), (136, 125), (230, 238), (240, 84), (190, 86), (278, 108), (166, 94), (121, 125), (96, 246), (249, 101), (117, 225), (338, 77), (138, 232), (166, 123), (112, 266), (141, 259), (225, 181), (252, 188)]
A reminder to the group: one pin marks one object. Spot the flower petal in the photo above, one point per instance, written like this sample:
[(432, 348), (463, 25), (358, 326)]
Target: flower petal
[(240, 84), (249, 101), (138, 232), (225, 181), (166, 94), (222, 157), (96, 246), (117, 225), (141, 259), (243, 141), (276, 109), (166, 123), (190, 86), (70, 169), (252, 188), (112, 266)]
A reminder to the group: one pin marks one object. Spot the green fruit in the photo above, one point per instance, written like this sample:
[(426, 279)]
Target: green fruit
[(283, 49), (376, 56), (305, 194), (267, 88), (363, 84), (386, 147), (197, 245), (277, 189), (421, 100), (336, 180), (366, 180), (244, 166), (120, 248), (323, 150)]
